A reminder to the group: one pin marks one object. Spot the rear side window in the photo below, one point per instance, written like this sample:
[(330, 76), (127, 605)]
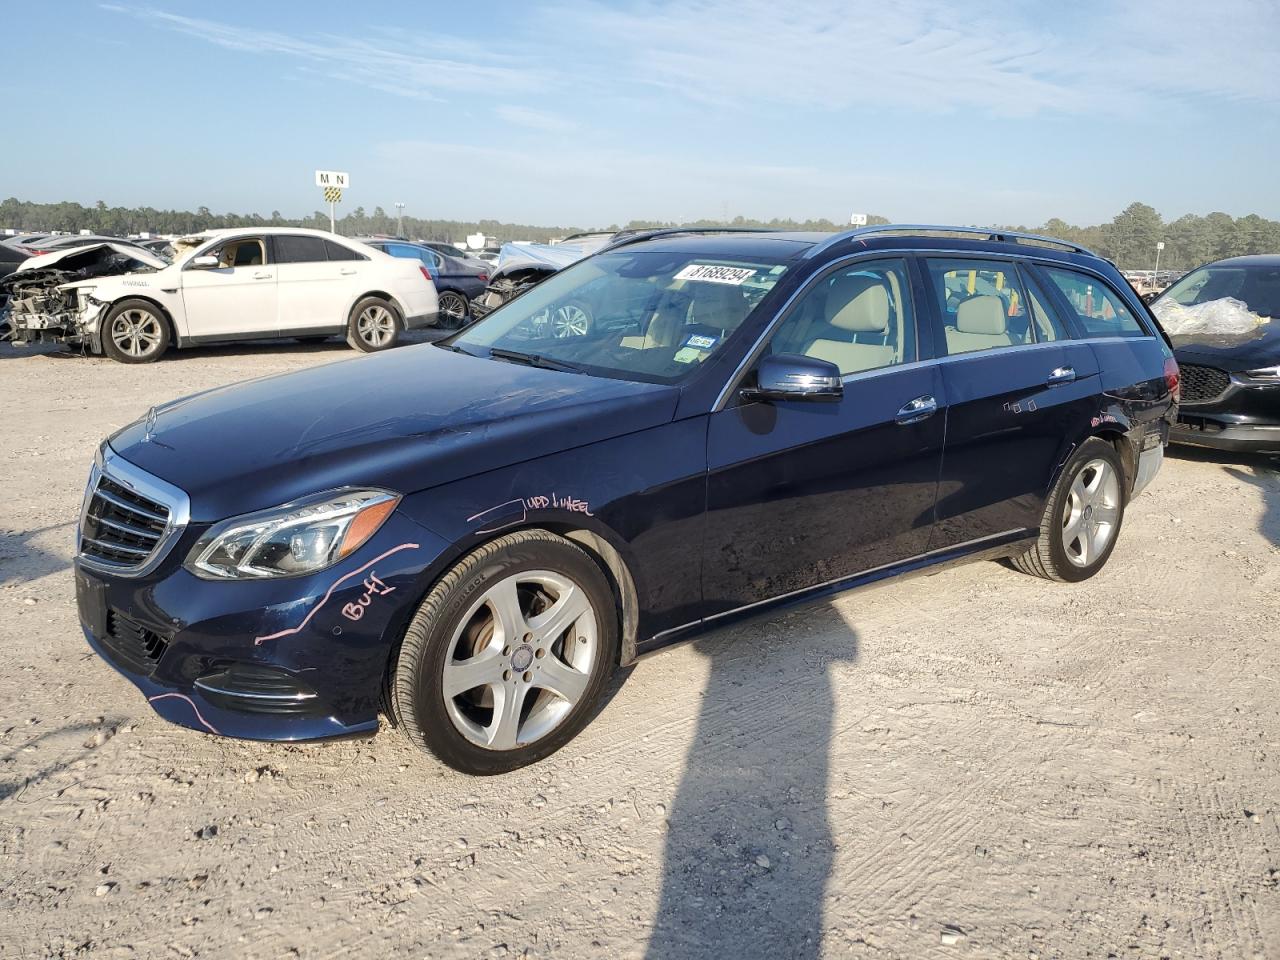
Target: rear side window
[(982, 303), (297, 249), (1099, 310), (408, 252), (337, 251)]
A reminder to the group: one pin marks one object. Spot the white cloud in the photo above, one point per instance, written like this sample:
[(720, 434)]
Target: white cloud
[(534, 119), (418, 66), (999, 55)]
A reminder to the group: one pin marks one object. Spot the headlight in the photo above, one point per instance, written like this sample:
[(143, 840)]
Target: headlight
[(1266, 374), (296, 538)]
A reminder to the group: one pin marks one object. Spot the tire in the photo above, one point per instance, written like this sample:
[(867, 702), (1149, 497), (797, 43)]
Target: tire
[(1082, 519), (374, 325), (135, 331), (509, 716), (454, 309)]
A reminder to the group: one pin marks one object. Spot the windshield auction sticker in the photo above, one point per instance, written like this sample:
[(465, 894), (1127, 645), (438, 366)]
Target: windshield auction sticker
[(711, 273)]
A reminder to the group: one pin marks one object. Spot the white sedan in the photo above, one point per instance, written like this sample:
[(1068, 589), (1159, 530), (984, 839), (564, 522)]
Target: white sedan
[(223, 285)]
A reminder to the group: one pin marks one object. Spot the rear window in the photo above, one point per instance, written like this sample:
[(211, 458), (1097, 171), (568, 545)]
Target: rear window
[(1099, 309)]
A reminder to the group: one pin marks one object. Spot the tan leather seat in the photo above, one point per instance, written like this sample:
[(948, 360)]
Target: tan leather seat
[(856, 305), (980, 325)]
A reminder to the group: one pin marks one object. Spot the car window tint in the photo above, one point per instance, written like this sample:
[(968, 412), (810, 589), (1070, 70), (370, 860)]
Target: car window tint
[(1046, 325), (982, 303), (858, 317), (241, 253), (1100, 311), (337, 251), (291, 248)]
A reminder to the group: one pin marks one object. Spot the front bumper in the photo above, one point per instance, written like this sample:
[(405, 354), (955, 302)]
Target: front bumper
[(1225, 432), (291, 659)]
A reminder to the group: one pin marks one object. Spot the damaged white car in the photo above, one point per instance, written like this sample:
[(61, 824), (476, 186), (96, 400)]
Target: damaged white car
[(222, 285)]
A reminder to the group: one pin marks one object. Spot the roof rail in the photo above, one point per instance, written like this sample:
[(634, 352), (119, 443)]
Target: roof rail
[(629, 237), (915, 230)]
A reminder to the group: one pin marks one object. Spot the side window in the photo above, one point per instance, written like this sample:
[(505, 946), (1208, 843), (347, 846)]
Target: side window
[(1100, 311), (406, 251), (337, 251), (982, 303), (1046, 325), (291, 248), (858, 317), (242, 253)]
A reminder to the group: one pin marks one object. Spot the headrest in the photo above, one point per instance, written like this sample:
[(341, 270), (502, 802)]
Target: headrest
[(982, 314), (719, 305), (858, 304)]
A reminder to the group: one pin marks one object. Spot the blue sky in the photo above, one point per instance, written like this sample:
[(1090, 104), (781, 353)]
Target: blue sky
[(590, 113)]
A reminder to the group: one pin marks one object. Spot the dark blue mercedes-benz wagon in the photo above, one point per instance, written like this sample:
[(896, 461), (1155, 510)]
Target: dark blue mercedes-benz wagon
[(469, 536)]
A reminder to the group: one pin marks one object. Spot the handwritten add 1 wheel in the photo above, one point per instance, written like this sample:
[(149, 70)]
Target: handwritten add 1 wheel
[(505, 660)]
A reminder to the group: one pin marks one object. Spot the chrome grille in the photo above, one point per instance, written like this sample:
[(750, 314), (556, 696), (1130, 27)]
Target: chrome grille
[(1200, 384), (129, 518)]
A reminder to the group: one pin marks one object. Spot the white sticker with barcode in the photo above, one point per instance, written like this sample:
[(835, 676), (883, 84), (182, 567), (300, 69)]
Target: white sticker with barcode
[(712, 273)]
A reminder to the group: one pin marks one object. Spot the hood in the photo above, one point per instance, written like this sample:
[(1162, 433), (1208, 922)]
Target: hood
[(1232, 353), (75, 257), (408, 419)]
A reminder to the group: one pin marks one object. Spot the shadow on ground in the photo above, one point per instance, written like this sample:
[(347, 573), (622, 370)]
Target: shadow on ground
[(21, 562), (749, 847), (1259, 470)]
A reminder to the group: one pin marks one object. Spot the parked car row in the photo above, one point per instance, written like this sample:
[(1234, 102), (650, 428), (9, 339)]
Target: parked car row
[(749, 419)]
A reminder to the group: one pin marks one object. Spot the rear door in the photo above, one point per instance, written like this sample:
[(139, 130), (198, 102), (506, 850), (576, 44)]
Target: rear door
[(1018, 387), (238, 297), (314, 289), (802, 493)]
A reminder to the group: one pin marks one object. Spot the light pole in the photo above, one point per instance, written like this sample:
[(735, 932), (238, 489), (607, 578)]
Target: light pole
[(399, 219), (1155, 276)]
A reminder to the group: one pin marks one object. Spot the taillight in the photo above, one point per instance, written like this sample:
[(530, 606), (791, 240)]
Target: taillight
[(1173, 379), (482, 277), (426, 274)]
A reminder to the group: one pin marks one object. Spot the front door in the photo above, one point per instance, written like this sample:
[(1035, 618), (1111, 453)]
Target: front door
[(237, 297), (802, 493)]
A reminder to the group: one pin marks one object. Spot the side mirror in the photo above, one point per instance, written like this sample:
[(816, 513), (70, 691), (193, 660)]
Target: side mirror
[(206, 262), (789, 376)]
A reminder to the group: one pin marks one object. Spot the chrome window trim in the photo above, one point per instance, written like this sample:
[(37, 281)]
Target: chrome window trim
[(121, 471), (753, 354)]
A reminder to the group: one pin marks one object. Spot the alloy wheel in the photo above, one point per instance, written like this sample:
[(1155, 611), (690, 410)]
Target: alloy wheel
[(520, 660), (1091, 512), (376, 325), (570, 321), (136, 332), (453, 308)]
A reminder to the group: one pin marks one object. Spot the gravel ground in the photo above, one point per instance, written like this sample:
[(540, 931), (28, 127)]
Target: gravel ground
[(973, 763)]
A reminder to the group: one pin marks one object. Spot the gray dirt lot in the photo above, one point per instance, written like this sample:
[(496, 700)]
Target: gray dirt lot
[(969, 764)]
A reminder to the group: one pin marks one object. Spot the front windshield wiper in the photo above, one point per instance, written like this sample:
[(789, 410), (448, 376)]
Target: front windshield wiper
[(533, 360)]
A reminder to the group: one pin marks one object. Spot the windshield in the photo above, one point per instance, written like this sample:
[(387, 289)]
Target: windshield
[(1258, 287), (634, 314)]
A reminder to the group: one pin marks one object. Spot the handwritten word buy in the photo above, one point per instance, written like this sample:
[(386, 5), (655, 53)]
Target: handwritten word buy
[(373, 587), (562, 503)]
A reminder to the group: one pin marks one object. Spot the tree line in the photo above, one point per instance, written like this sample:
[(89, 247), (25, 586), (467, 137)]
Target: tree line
[(1129, 239)]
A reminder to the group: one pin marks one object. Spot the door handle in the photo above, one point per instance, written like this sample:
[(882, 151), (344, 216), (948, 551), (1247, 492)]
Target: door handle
[(262, 275), (347, 272), (921, 408), (1060, 376)]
